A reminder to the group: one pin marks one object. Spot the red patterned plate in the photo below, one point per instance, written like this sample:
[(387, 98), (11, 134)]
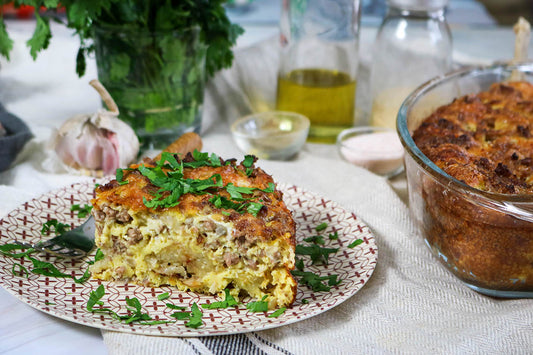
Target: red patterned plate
[(66, 299)]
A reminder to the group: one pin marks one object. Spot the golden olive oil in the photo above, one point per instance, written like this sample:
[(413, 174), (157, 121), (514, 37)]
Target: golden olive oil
[(326, 97)]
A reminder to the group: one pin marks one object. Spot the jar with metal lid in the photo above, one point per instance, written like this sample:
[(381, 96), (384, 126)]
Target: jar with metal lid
[(413, 45)]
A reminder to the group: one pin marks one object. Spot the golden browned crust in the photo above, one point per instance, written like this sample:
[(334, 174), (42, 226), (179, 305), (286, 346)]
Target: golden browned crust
[(273, 220), (484, 140)]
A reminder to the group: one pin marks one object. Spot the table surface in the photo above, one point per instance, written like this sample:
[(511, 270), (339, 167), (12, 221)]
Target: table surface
[(45, 92)]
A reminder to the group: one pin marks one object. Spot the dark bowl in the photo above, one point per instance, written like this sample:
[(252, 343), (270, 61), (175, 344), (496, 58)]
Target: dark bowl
[(17, 134)]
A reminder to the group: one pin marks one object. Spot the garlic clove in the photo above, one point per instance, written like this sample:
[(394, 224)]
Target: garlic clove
[(97, 142)]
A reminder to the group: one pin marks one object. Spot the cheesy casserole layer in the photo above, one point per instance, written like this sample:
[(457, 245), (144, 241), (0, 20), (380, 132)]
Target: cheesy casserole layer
[(195, 245)]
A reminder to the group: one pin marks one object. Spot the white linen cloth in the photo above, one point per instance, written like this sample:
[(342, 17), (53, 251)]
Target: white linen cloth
[(410, 305)]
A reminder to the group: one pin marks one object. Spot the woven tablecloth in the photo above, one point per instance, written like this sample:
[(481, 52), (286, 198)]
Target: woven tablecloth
[(411, 304)]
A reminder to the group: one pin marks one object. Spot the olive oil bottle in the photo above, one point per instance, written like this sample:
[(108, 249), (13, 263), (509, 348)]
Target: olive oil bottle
[(326, 97)]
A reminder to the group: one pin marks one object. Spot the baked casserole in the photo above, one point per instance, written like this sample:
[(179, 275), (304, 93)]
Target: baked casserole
[(199, 223), (470, 175)]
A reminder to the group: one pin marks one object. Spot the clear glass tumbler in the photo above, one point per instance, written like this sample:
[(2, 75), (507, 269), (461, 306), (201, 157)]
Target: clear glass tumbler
[(319, 59)]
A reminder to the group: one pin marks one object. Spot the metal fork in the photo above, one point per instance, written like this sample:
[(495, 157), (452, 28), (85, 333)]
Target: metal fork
[(74, 244)]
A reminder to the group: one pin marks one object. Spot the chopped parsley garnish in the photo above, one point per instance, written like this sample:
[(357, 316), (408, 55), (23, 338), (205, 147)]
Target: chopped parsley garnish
[(299, 264), (39, 267), (42, 267), (172, 306), (195, 320), (333, 236), (98, 256), (228, 301), (163, 296), (120, 176), (7, 248), (181, 315), (194, 317), (316, 239), (168, 176), (133, 305), (82, 211), (48, 269), (305, 301), (248, 163), (322, 226), (58, 227), (22, 271), (355, 243), (277, 312), (258, 306), (318, 254), (314, 281)]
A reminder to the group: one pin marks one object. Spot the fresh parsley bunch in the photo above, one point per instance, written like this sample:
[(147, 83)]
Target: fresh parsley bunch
[(154, 15)]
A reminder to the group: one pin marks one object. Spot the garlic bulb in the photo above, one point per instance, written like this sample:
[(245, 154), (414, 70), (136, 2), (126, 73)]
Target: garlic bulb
[(96, 142)]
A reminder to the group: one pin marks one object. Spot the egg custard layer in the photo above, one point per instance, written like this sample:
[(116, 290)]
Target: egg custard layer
[(200, 224)]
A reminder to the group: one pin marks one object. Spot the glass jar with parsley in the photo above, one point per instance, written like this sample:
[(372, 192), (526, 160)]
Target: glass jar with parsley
[(156, 78), (150, 55)]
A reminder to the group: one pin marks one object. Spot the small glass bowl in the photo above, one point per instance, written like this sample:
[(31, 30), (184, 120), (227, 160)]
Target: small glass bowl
[(377, 149), (485, 239), (275, 135)]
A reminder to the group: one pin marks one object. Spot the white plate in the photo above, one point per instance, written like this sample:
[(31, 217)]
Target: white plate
[(66, 299)]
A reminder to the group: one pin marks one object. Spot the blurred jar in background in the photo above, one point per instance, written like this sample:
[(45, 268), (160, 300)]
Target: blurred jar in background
[(318, 67), (413, 45)]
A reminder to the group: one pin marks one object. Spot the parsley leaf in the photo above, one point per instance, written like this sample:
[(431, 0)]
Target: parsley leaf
[(314, 281), (355, 243), (299, 264), (195, 320), (46, 269), (133, 305), (254, 207), (6, 43), (22, 271), (94, 298), (7, 248), (181, 315), (316, 239), (59, 228), (98, 256), (82, 211), (228, 301), (248, 161), (163, 296), (120, 176), (322, 226), (333, 236), (41, 36), (258, 306), (318, 255), (277, 313), (171, 306)]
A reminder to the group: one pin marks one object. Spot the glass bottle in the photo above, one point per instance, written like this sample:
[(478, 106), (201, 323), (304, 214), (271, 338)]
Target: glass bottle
[(318, 66), (413, 45)]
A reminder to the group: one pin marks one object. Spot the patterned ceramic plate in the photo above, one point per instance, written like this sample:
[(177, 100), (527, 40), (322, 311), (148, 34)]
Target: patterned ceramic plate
[(66, 299)]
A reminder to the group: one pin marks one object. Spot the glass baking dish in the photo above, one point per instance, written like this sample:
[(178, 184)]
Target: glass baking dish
[(483, 238)]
